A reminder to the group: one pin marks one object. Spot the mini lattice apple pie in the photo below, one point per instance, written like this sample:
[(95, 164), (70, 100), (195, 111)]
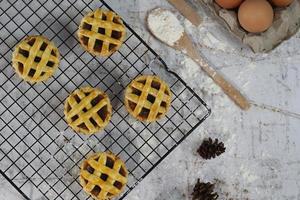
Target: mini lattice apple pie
[(101, 32), (148, 98), (35, 59), (88, 110), (103, 176)]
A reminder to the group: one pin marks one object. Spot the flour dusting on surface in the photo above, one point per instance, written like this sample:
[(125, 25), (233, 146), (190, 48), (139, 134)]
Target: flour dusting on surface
[(165, 26), (190, 67), (248, 175), (191, 71)]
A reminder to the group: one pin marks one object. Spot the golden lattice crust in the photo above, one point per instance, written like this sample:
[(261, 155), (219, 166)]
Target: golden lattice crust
[(35, 59), (103, 176), (88, 110), (101, 32), (148, 98)]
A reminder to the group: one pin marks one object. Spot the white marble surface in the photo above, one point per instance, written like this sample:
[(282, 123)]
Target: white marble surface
[(262, 159), (7, 191)]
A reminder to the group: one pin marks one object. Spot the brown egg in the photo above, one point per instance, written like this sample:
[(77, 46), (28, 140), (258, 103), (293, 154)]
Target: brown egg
[(229, 4), (256, 16), (281, 3)]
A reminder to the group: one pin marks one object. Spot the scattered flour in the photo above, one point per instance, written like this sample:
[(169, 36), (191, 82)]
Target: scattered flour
[(247, 174), (191, 72), (205, 36), (190, 67), (188, 24), (165, 26)]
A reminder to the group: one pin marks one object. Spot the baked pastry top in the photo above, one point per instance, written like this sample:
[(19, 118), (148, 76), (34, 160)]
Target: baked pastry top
[(148, 98), (35, 59), (103, 176), (101, 32), (87, 110)]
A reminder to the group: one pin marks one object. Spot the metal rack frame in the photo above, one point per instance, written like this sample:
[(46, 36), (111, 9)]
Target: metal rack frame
[(37, 148)]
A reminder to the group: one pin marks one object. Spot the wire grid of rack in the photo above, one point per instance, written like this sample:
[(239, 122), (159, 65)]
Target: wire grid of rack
[(39, 154)]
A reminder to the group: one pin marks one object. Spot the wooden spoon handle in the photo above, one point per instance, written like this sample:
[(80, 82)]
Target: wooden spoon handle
[(189, 49), (227, 87), (187, 11)]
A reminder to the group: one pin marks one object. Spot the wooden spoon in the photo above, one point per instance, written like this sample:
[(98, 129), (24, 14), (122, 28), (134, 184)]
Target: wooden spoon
[(187, 11), (185, 45)]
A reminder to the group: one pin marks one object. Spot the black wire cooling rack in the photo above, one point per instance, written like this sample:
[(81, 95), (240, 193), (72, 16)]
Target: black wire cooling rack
[(39, 154)]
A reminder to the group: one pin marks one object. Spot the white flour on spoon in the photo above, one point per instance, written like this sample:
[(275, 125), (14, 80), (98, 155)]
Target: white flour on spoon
[(165, 26)]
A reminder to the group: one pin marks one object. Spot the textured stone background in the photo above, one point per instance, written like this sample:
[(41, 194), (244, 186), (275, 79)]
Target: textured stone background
[(262, 160)]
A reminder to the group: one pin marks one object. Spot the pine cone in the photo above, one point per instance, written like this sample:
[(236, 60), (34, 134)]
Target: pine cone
[(210, 149), (204, 191)]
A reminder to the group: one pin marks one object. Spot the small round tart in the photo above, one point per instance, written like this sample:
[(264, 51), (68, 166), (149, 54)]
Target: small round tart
[(103, 176), (88, 110), (101, 32), (148, 98), (35, 59)]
